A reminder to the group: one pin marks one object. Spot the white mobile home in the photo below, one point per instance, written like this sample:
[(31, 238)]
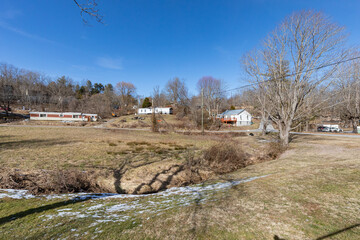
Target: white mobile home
[(159, 110), (239, 117), (63, 116)]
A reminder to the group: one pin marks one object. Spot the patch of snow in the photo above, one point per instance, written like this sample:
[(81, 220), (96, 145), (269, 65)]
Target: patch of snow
[(122, 207), (95, 207), (15, 194), (130, 205)]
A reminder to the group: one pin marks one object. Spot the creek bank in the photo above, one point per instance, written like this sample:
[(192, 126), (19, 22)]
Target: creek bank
[(144, 178)]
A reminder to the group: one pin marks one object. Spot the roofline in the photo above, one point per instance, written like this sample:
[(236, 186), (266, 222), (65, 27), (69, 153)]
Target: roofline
[(72, 113)]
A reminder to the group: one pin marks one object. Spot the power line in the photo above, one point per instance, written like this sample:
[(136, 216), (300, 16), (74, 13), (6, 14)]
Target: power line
[(293, 74)]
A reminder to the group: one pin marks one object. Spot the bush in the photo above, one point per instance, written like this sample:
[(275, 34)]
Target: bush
[(43, 182), (274, 150), (224, 157)]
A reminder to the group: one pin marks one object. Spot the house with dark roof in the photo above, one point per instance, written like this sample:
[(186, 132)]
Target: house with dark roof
[(239, 117)]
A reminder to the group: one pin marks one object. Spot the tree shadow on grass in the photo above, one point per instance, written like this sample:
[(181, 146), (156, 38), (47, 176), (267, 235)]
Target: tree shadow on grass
[(338, 232), (330, 235), (41, 209), (31, 143), (127, 165), (201, 215)]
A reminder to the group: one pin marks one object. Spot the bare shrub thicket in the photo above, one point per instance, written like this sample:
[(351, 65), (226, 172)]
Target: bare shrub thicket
[(44, 182), (224, 157), (273, 150), (228, 156)]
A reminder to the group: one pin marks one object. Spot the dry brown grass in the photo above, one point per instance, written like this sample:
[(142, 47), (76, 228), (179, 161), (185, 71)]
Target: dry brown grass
[(311, 190), (46, 148), (135, 157)]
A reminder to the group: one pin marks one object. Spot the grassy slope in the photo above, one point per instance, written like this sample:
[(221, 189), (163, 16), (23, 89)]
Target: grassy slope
[(313, 190), (49, 148)]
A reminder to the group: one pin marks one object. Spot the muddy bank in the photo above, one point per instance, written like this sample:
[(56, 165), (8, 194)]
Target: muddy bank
[(130, 178), (140, 181)]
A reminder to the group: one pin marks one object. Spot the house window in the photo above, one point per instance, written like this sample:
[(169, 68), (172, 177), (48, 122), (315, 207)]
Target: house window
[(42, 115)]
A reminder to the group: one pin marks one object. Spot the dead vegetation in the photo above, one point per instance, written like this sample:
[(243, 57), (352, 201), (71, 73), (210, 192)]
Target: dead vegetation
[(121, 161), (224, 157), (45, 181)]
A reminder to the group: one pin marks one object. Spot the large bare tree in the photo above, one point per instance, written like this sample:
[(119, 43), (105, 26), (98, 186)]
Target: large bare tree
[(348, 91), (283, 68)]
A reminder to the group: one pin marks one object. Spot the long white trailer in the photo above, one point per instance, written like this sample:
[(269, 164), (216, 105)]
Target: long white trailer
[(160, 110), (63, 116)]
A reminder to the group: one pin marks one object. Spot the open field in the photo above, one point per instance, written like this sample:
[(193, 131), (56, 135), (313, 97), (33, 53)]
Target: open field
[(310, 192), (47, 148), (114, 160)]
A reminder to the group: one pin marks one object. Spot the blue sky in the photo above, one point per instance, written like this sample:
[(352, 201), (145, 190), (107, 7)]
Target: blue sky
[(148, 42)]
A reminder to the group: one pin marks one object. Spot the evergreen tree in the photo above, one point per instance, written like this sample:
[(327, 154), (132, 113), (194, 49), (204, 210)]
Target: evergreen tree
[(146, 103)]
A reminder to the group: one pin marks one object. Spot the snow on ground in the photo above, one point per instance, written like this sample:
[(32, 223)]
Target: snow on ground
[(16, 194), (122, 207)]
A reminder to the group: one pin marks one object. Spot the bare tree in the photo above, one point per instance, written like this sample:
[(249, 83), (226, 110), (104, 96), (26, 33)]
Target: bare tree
[(8, 76), (348, 91), (213, 95), (62, 92), (89, 8), (159, 97), (126, 92), (284, 67), (177, 92)]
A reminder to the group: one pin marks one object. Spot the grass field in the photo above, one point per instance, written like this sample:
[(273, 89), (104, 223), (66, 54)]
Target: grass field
[(310, 192), (134, 157)]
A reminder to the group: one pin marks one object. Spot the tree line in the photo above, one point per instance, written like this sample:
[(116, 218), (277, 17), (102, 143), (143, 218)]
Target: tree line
[(35, 91), (31, 90)]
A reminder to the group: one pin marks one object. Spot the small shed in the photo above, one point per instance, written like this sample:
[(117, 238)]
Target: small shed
[(63, 116), (239, 117)]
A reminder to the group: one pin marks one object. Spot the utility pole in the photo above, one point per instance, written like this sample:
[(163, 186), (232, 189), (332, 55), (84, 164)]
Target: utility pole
[(202, 111)]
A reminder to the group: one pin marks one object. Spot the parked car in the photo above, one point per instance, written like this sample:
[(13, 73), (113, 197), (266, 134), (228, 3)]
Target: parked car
[(335, 129), (323, 129), (5, 109), (329, 129)]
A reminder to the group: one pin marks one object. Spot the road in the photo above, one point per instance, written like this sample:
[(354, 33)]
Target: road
[(144, 129)]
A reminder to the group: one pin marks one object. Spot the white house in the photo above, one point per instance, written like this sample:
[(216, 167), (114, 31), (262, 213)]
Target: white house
[(160, 110), (66, 116), (239, 117)]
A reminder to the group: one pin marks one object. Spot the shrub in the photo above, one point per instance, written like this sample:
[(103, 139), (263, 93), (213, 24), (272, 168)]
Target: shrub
[(274, 150), (42, 182), (224, 157)]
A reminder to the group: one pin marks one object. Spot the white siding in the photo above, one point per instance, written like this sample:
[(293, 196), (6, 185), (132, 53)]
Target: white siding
[(157, 110), (243, 119), (78, 116)]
